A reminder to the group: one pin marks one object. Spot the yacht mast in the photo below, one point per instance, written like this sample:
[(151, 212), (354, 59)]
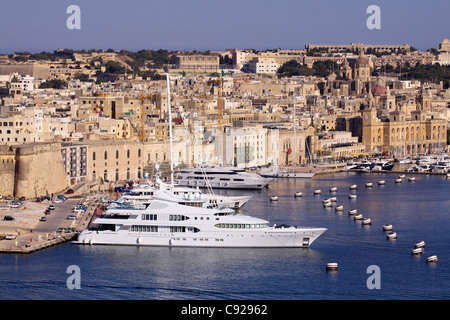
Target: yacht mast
[(169, 108)]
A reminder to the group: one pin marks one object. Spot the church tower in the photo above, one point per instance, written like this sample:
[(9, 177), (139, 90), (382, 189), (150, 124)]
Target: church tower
[(345, 70), (362, 68)]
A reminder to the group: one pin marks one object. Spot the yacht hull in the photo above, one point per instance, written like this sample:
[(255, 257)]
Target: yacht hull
[(270, 238)]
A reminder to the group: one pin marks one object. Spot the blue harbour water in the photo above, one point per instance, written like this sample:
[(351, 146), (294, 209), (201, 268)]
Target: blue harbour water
[(417, 210)]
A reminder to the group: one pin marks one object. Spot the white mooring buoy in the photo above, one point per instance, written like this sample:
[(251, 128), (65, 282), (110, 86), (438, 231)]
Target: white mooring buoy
[(332, 266)]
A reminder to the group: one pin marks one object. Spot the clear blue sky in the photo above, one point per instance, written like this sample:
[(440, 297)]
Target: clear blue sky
[(38, 25)]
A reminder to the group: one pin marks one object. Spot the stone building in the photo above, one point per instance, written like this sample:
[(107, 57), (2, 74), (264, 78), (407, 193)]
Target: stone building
[(403, 135), (32, 170), (198, 63)]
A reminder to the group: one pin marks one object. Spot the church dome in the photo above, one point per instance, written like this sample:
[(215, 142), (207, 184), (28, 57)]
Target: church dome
[(362, 61), (379, 89)]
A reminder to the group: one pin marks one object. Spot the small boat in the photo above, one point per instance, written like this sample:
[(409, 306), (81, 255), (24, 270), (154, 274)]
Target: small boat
[(298, 194), (318, 191), (416, 251), (369, 185), (448, 175), (383, 165), (381, 183), (358, 216), (399, 180), (274, 198), (432, 259), (352, 196), (352, 212), (327, 204), (420, 244), (412, 178), (339, 208), (333, 189), (402, 176), (332, 266), (333, 199), (387, 227), (366, 221), (353, 187), (391, 235)]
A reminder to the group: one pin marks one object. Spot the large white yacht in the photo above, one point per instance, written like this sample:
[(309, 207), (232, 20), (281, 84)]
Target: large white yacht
[(168, 223), (218, 177)]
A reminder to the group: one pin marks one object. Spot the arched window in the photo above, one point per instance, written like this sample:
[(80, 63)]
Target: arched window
[(139, 153), (117, 154), (128, 153), (128, 173), (106, 155), (93, 156)]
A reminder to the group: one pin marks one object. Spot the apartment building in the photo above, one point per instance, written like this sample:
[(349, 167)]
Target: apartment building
[(263, 65)]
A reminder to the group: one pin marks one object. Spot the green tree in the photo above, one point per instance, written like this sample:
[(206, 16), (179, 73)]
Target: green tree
[(294, 68), (54, 84)]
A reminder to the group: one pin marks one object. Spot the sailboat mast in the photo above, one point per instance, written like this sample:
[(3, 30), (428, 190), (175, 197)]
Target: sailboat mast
[(169, 108)]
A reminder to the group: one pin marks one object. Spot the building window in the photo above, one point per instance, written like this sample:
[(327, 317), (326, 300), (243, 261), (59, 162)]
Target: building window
[(117, 154), (93, 156)]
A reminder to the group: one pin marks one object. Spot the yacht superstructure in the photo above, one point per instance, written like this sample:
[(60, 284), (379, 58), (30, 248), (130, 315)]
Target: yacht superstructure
[(145, 193)]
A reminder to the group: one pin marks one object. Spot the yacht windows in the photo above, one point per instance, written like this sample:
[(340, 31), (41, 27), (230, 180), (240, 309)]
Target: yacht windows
[(140, 228), (177, 229), (240, 225), (192, 204), (177, 217), (149, 216)]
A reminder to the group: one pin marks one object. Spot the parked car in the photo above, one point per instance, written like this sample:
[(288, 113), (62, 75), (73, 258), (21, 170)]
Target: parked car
[(10, 237), (8, 218), (15, 204), (43, 218), (58, 201), (62, 197), (69, 191), (71, 217), (47, 211), (51, 207)]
